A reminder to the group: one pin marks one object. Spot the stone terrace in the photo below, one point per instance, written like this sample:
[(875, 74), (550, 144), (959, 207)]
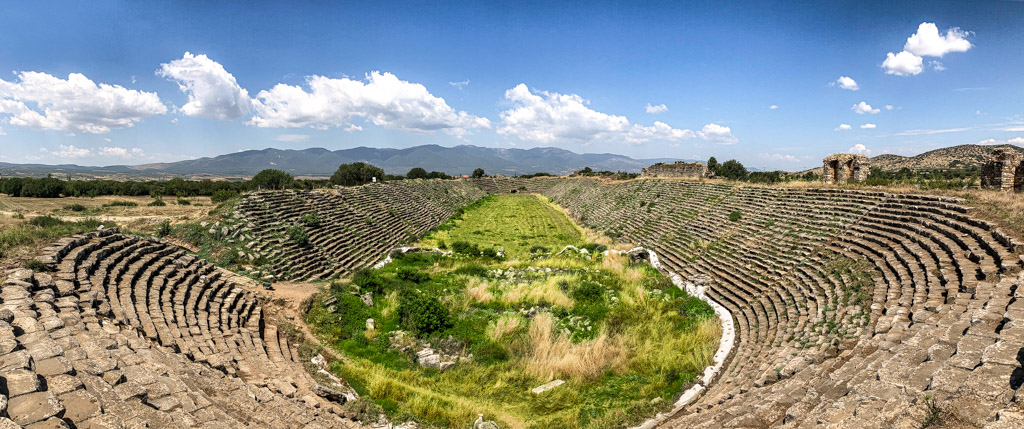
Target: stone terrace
[(942, 320), (133, 332), (357, 224)]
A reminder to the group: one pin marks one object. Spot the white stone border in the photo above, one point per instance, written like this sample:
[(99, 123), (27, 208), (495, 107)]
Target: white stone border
[(725, 345)]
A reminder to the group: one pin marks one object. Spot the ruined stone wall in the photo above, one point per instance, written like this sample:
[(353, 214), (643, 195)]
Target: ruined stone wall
[(693, 170), (844, 167), (1004, 170)]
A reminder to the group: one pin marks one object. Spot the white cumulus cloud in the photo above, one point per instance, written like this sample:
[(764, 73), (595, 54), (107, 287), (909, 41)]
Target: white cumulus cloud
[(656, 109), (44, 102), (773, 107), (780, 157), (67, 152), (864, 108), (859, 148), (381, 99), (120, 152), (548, 117), (846, 82), (902, 64), (717, 134), (868, 126), (844, 127), (212, 91), (926, 42), (1014, 141)]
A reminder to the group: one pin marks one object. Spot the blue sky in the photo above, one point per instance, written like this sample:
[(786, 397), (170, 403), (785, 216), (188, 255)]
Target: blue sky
[(133, 82)]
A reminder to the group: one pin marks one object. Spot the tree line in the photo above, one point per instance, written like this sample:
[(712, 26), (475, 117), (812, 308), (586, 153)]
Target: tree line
[(354, 174)]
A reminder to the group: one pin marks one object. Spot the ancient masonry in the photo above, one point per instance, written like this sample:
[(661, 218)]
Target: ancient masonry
[(936, 318), (134, 332), (693, 170), (851, 308), (1004, 170), (845, 167)]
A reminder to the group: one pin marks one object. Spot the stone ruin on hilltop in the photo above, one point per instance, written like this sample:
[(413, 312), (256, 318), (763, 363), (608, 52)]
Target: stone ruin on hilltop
[(845, 167), (1004, 170), (693, 170)]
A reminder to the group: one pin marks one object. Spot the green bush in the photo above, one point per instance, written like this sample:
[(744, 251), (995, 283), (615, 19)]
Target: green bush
[(297, 234), (223, 195), (75, 208), (163, 229), (489, 252), (45, 221), (588, 293), (735, 215), (413, 275), (310, 219), (184, 202), (465, 248), (35, 265), (157, 202), (423, 315), (121, 203), (539, 249)]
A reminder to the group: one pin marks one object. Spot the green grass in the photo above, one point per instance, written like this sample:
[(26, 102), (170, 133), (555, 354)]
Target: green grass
[(22, 237), (514, 222), (619, 334)]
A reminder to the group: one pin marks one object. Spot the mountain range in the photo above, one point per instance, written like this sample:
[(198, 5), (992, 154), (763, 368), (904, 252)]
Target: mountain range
[(319, 162)]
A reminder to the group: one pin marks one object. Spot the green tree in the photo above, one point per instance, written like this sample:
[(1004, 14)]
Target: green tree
[(713, 165), (416, 173), (271, 179), (732, 169), (478, 173), (356, 173)]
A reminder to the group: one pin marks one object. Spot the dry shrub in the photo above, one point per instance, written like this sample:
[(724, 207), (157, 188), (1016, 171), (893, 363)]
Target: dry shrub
[(504, 325), (535, 292), (614, 262), (556, 356), (477, 290)]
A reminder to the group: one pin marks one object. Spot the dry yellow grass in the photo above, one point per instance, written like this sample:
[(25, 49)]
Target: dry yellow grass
[(477, 290), (555, 355), (535, 292), (504, 325)]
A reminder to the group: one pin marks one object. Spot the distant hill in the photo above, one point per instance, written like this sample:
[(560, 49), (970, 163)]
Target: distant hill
[(962, 156), (319, 162)]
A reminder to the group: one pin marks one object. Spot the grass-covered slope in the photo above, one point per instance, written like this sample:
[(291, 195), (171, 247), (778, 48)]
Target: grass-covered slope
[(622, 337)]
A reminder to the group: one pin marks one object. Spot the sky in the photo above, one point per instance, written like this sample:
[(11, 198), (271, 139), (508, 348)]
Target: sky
[(775, 85)]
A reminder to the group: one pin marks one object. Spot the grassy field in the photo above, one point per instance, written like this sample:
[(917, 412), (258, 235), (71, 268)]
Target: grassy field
[(619, 334), (515, 223)]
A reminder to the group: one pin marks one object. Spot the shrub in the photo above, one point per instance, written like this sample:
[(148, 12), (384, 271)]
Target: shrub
[(478, 173), (223, 195), (158, 201), (588, 293), (45, 221), (423, 315), (735, 215), (164, 229), (121, 203), (297, 234), (368, 280), (465, 248), (35, 265), (442, 245), (75, 208), (539, 249), (271, 179), (356, 173), (413, 275), (490, 252), (184, 202), (311, 219)]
